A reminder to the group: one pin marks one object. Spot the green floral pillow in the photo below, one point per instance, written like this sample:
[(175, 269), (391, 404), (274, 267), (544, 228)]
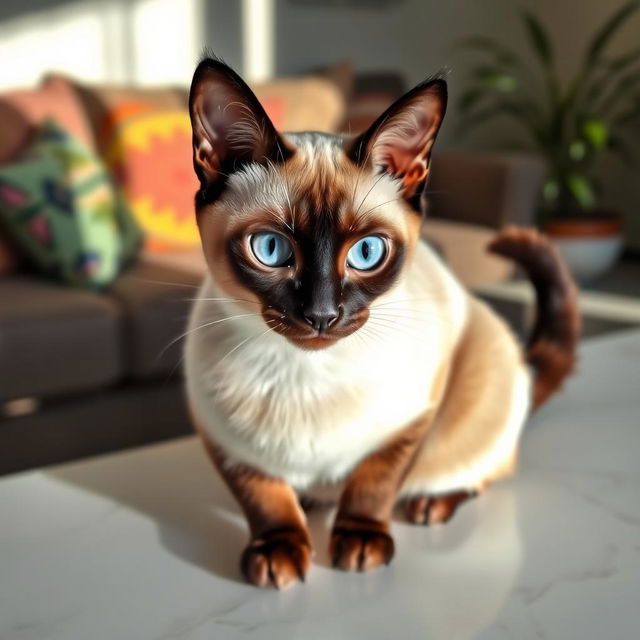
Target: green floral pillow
[(59, 205)]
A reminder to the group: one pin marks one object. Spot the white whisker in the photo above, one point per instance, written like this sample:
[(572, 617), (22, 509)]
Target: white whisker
[(203, 326), (169, 284), (219, 300), (249, 338)]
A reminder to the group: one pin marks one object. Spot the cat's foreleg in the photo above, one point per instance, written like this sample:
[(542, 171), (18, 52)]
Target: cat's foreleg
[(279, 552), (361, 538)]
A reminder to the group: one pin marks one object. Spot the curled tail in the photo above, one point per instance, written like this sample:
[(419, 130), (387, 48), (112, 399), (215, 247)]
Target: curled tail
[(551, 349)]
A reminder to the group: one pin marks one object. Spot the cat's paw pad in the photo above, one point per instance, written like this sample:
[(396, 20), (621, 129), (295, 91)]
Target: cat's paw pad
[(360, 546), (428, 510), (277, 559)]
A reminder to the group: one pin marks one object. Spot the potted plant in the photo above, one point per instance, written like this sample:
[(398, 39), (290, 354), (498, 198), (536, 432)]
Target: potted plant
[(570, 125)]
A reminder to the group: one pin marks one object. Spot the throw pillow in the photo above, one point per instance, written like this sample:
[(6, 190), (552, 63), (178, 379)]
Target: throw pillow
[(150, 159), (22, 112), (144, 137), (59, 206)]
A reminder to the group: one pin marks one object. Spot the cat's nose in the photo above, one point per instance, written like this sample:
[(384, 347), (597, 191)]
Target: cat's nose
[(320, 319)]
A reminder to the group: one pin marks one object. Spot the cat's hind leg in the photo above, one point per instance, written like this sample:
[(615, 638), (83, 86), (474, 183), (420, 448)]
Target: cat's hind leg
[(427, 510), (473, 438)]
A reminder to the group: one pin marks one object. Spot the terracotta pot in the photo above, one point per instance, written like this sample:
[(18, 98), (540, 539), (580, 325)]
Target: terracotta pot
[(590, 244)]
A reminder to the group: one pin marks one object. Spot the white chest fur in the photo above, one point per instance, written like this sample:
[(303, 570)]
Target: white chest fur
[(308, 417)]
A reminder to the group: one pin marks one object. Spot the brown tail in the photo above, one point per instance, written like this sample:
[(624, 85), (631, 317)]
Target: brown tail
[(551, 349)]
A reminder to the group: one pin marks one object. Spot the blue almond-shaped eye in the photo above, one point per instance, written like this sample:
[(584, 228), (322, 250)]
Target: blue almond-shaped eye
[(367, 253), (272, 249)]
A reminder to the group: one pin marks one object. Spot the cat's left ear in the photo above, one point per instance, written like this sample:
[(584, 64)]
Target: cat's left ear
[(401, 139)]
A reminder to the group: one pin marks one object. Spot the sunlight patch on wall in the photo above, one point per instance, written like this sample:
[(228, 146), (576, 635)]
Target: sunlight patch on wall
[(142, 42), (70, 39), (258, 32), (168, 40)]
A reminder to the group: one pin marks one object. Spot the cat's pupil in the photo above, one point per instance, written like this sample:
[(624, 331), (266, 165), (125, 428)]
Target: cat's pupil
[(271, 247), (365, 250)]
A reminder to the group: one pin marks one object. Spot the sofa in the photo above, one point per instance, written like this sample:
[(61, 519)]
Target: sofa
[(84, 373)]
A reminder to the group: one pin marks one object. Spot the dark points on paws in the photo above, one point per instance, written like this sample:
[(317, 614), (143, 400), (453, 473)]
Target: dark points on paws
[(277, 559), (428, 510), (359, 544)]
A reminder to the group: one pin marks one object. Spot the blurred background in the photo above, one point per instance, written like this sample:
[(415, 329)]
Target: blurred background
[(99, 252)]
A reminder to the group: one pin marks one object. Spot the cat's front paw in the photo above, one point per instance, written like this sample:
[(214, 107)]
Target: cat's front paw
[(359, 544), (277, 559)]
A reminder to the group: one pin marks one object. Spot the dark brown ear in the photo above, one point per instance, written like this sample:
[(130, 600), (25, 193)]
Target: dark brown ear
[(230, 127), (400, 140)]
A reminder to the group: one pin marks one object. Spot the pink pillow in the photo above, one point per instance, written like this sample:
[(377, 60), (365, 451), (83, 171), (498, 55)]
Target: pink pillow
[(22, 111)]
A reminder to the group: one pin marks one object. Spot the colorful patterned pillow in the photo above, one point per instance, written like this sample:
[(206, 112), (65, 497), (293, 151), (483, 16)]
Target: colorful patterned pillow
[(59, 205), (150, 158)]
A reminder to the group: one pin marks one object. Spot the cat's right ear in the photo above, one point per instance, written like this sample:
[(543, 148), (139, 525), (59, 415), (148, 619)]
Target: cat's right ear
[(230, 127)]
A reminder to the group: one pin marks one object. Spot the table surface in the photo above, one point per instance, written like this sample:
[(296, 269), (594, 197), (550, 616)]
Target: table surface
[(145, 544)]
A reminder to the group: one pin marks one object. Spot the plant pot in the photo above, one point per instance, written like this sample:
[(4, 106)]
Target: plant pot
[(590, 245)]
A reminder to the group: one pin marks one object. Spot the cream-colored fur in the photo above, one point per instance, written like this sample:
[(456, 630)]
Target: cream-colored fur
[(487, 399), (310, 416)]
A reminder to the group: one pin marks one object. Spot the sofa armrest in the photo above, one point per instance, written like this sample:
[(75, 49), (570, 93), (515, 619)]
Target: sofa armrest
[(487, 189)]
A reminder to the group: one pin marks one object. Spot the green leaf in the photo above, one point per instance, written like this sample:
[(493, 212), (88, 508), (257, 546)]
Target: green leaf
[(493, 78), (539, 38), (577, 150), (582, 190), (551, 190), (595, 133), (606, 32)]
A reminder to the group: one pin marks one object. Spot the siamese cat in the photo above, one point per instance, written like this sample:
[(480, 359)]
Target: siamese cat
[(331, 354)]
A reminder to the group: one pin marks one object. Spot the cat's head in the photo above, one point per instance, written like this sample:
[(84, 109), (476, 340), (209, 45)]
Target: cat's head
[(308, 228)]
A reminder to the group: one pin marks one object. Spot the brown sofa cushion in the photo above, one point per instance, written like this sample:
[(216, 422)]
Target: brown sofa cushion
[(56, 341), (486, 189), (156, 302)]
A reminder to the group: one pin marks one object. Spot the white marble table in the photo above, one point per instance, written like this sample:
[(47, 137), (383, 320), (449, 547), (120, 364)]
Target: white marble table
[(145, 544)]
